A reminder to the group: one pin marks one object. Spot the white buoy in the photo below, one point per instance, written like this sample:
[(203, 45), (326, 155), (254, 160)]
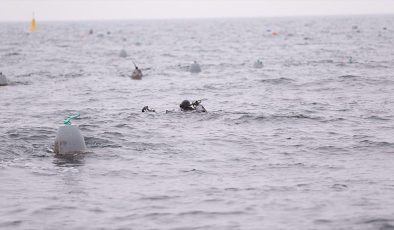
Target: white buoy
[(195, 68), (258, 64), (123, 53), (3, 80), (69, 140)]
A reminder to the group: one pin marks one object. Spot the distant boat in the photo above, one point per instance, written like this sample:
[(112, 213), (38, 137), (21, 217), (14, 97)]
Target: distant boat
[(33, 27)]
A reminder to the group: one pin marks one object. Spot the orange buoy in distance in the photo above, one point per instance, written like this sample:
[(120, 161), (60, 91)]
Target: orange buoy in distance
[(33, 27)]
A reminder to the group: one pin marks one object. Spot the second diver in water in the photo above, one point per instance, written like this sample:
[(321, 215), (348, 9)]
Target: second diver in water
[(147, 109)]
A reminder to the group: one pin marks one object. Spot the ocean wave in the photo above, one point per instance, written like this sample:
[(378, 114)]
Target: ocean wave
[(95, 142), (339, 187), (69, 160), (326, 61), (12, 54), (158, 197), (376, 117), (70, 75), (380, 223), (11, 223), (88, 127), (16, 83), (246, 118), (277, 81), (31, 133), (209, 213), (371, 143), (8, 153), (349, 76), (113, 134)]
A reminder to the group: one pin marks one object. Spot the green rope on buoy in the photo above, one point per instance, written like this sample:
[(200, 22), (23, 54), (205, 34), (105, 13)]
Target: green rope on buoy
[(68, 120)]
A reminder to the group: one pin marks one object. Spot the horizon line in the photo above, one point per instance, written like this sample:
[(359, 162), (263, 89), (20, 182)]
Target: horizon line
[(204, 18)]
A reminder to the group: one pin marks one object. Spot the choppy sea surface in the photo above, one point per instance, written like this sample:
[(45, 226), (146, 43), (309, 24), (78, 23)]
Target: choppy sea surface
[(306, 142)]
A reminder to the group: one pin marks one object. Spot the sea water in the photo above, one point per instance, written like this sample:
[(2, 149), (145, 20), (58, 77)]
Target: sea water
[(306, 142)]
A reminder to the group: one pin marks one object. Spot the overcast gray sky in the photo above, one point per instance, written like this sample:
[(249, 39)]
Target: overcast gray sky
[(21, 10)]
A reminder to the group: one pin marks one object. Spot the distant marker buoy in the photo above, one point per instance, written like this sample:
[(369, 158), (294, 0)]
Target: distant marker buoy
[(350, 61), (33, 26), (91, 31), (275, 33), (69, 139), (258, 64), (3, 80), (195, 68), (137, 74), (123, 53)]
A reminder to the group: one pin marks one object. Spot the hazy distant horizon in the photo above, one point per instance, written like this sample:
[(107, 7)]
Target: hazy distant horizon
[(99, 10), (198, 18)]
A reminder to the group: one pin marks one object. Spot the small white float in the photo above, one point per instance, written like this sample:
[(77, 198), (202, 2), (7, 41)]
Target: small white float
[(3, 80), (123, 53), (258, 64), (195, 68)]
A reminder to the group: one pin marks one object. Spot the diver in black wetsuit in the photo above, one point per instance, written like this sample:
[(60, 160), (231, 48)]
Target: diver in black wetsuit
[(195, 106), (185, 106)]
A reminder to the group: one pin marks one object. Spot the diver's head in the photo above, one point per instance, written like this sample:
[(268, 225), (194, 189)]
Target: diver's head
[(185, 105)]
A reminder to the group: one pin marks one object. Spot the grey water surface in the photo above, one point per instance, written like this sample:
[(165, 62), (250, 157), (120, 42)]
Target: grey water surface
[(306, 142)]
